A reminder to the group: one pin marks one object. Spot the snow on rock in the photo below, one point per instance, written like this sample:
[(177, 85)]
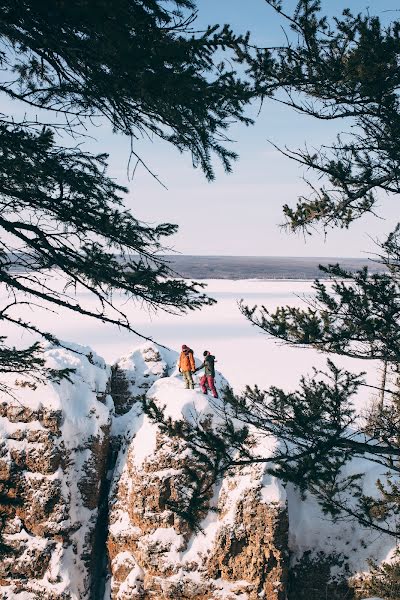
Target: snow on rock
[(61, 443), (240, 550), (330, 557), (136, 372), (334, 553), (53, 450), (249, 524)]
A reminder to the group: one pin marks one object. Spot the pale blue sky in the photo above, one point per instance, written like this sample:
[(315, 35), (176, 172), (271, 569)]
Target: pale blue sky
[(240, 213)]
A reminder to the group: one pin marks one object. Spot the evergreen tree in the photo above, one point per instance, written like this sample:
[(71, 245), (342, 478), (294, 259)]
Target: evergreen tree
[(384, 581), (139, 65), (344, 70)]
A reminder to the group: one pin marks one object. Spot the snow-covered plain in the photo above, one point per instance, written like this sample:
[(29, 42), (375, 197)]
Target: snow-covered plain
[(245, 354)]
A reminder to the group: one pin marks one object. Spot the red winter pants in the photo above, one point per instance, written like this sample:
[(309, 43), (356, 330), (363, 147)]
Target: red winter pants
[(207, 382)]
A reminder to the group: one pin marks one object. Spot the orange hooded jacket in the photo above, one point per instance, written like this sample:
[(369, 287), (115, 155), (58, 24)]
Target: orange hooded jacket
[(186, 360)]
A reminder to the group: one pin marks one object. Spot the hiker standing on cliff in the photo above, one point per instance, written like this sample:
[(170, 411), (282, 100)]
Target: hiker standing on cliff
[(187, 366), (207, 380)]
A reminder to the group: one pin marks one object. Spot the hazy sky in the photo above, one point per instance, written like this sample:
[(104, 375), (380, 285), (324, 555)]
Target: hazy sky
[(240, 213)]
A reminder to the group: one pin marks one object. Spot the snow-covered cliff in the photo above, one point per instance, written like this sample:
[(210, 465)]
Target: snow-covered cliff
[(240, 549), (94, 499), (53, 451)]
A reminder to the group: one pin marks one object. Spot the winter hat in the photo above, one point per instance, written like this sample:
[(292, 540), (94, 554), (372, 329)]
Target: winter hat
[(184, 347), (206, 352)]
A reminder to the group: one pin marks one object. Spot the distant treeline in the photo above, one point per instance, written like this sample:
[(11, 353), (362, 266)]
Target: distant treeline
[(243, 267), (261, 267)]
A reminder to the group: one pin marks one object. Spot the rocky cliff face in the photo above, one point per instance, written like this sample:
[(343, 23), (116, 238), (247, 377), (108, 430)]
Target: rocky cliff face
[(255, 539), (53, 451), (60, 445), (240, 549)]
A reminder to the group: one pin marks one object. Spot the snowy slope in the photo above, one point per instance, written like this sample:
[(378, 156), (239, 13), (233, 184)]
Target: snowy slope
[(244, 354)]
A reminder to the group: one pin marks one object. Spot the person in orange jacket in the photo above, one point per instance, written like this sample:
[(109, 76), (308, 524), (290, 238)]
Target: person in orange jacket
[(187, 366)]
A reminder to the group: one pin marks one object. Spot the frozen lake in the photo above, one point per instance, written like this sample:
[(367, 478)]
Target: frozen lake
[(245, 355)]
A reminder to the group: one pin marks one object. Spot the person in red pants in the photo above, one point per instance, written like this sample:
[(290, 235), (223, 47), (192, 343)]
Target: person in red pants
[(207, 380)]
